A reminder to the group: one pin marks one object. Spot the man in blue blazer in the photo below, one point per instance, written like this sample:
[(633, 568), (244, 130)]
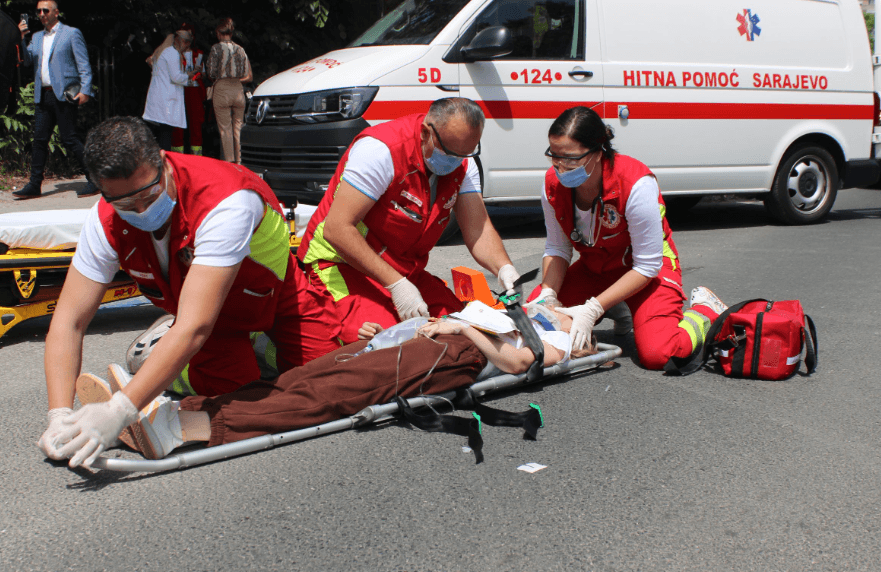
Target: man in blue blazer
[(61, 64)]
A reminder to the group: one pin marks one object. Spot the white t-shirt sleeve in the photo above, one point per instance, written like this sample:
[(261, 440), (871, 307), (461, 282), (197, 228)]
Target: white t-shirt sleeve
[(471, 184), (370, 167), (560, 340), (646, 229), (556, 243), (94, 257), (224, 237)]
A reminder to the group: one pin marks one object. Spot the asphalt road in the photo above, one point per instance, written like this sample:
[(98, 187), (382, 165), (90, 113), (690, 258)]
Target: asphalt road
[(644, 471)]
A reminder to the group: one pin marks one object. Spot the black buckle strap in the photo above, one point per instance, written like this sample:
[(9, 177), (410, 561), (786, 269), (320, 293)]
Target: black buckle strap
[(530, 420), (436, 423)]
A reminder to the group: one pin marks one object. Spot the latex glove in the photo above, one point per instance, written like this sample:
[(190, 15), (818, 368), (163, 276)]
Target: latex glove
[(507, 276), (584, 318), (547, 297), (95, 427), (407, 300), (48, 442)]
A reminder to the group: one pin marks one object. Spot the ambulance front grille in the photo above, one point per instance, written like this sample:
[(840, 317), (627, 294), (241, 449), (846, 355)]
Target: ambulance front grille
[(315, 160), (278, 113)]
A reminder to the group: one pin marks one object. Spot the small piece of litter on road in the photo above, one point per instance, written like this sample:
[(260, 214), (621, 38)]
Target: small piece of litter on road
[(466, 449), (531, 467), (607, 387)]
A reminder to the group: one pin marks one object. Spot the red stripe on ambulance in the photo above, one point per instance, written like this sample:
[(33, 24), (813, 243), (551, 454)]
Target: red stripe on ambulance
[(500, 109)]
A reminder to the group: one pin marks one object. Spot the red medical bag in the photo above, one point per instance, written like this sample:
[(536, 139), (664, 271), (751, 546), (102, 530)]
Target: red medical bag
[(760, 339)]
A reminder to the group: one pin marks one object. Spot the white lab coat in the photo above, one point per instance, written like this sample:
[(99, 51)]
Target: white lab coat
[(165, 98)]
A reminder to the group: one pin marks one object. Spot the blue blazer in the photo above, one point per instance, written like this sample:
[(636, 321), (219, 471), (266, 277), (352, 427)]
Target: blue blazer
[(68, 61)]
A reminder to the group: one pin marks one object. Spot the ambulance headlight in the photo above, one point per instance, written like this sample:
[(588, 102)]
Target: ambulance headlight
[(333, 105)]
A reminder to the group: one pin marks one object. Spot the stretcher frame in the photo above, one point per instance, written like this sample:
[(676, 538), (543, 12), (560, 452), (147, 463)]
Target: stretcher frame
[(368, 415)]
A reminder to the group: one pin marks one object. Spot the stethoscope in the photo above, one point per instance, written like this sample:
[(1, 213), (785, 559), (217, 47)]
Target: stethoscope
[(594, 230)]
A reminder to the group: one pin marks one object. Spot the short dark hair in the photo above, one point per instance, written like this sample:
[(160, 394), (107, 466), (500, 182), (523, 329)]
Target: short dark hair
[(226, 27), (57, 7), (584, 125), (117, 147), (442, 110)]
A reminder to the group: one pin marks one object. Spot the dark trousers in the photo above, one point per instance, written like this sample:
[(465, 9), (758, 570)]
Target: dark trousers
[(162, 133), (49, 113)]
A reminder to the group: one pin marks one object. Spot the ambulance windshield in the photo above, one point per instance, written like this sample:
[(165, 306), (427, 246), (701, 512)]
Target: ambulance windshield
[(412, 22)]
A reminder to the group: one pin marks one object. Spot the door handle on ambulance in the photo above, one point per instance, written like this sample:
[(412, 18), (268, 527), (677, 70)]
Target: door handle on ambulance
[(581, 74)]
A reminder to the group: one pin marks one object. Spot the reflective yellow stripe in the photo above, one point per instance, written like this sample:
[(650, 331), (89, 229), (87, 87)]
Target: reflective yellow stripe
[(668, 252), (696, 325), (264, 349), (181, 383), (320, 249), (663, 210), (270, 245), (333, 280)]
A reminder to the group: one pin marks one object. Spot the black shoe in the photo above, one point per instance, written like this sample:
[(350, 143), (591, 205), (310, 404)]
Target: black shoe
[(89, 190), (29, 191)]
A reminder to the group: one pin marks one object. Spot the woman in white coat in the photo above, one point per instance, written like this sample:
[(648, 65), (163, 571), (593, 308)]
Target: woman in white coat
[(165, 99)]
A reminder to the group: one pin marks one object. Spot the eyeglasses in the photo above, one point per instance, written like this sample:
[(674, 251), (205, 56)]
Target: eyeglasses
[(450, 153), (570, 161), (128, 201), (43, 10)]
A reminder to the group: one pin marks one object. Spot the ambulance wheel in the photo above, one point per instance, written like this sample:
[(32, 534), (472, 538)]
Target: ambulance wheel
[(805, 186)]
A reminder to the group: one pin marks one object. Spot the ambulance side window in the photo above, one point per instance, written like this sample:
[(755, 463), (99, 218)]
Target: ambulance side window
[(542, 29)]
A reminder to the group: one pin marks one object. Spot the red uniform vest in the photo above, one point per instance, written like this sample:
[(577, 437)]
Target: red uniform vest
[(612, 250), (404, 243), (201, 185)]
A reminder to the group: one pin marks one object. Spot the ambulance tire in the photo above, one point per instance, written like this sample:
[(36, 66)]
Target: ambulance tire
[(805, 186)]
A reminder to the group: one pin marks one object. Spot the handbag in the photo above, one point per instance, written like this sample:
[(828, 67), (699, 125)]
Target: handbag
[(758, 339)]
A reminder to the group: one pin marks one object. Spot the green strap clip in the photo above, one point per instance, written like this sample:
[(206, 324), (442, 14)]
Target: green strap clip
[(540, 415), (479, 422)]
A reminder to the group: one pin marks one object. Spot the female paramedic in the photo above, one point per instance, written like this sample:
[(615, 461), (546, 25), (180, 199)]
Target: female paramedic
[(444, 355), (609, 208)]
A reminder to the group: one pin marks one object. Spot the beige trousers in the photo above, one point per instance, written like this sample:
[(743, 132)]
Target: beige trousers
[(229, 109)]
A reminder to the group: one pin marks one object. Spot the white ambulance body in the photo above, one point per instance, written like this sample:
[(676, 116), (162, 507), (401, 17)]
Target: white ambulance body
[(772, 96)]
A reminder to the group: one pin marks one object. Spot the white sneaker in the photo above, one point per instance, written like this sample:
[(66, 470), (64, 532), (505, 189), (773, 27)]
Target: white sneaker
[(157, 431), (703, 296), (138, 351), (620, 314)]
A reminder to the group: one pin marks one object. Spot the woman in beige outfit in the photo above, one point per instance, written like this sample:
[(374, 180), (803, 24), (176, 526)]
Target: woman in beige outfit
[(229, 67)]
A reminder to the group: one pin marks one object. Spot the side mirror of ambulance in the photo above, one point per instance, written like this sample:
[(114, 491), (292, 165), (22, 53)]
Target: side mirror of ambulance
[(490, 43)]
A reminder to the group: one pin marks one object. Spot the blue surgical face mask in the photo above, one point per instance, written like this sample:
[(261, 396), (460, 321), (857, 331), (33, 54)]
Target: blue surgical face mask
[(442, 164), (154, 217), (573, 178)]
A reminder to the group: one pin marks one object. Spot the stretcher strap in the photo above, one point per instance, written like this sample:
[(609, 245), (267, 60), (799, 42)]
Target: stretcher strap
[(530, 337), (530, 420), (433, 422)]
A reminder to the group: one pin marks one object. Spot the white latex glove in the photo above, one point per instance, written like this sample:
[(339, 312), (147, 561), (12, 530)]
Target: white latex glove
[(94, 428), (584, 318), (547, 297), (407, 300), (48, 442), (507, 276)]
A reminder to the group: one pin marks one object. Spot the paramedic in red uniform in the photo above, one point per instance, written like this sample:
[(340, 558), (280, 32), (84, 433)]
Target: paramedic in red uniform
[(206, 242), (609, 208), (392, 196)]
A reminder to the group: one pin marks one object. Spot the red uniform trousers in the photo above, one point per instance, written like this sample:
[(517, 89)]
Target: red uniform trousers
[(370, 301), (194, 106), (656, 309), (332, 387), (304, 329)]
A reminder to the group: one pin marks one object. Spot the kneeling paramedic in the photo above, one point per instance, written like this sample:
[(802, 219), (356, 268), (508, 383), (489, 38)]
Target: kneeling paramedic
[(393, 194), (205, 241)]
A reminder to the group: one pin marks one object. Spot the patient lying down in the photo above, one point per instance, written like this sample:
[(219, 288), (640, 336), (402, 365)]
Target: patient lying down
[(444, 355)]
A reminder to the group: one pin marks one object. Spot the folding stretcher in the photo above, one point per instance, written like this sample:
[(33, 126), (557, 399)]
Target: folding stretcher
[(469, 285)]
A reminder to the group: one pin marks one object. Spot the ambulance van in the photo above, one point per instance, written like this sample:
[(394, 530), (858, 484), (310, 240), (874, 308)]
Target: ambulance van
[(770, 97)]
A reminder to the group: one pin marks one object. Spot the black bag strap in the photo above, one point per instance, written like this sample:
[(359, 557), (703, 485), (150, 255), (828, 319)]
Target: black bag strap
[(433, 422), (812, 348), (692, 363)]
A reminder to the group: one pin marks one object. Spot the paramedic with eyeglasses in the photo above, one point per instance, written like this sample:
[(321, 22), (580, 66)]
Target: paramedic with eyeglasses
[(390, 200), (609, 208), (205, 241)]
